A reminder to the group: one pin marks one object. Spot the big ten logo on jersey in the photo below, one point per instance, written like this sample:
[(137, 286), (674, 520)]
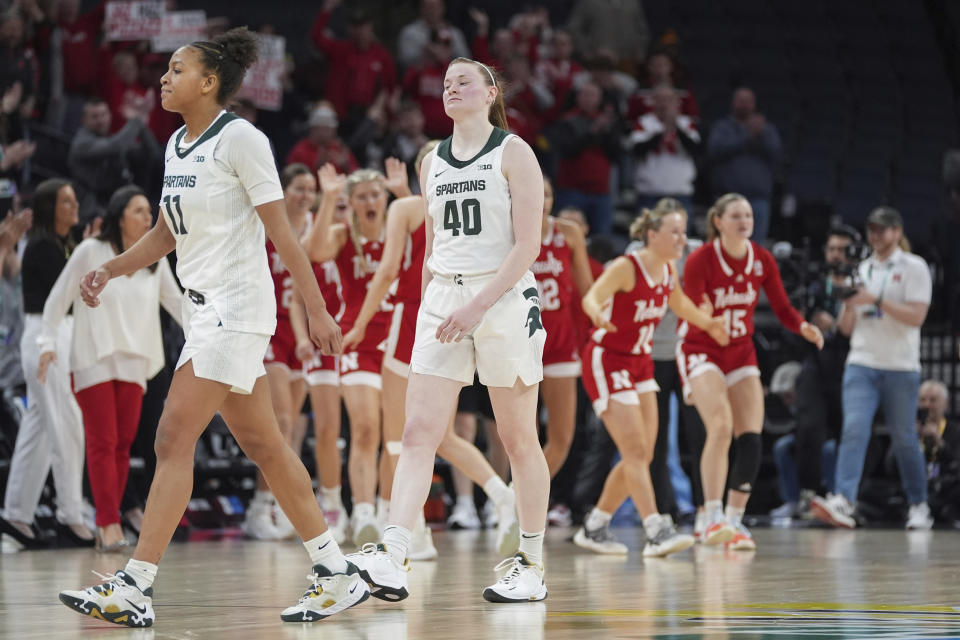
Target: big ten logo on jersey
[(621, 380), (198, 158), (349, 362), (484, 167)]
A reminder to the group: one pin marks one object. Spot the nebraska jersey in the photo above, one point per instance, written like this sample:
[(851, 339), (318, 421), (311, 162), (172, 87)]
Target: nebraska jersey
[(328, 278), (211, 187), (282, 282), (411, 267), (355, 275), (733, 287), (636, 313), (554, 273), (470, 209)]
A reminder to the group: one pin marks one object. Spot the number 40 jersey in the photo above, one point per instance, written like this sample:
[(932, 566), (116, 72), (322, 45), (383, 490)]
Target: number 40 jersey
[(469, 204), (211, 187)]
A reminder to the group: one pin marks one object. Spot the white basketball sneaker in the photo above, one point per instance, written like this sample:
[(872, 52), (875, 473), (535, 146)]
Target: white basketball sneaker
[(421, 543), (366, 529), (919, 518), (520, 581), (258, 523), (282, 523), (508, 527), (835, 510), (599, 540), (387, 577), (666, 540), (118, 600), (330, 594)]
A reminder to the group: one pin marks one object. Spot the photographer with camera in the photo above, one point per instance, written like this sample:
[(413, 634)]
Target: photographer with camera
[(940, 439), (819, 409), (883, 319)]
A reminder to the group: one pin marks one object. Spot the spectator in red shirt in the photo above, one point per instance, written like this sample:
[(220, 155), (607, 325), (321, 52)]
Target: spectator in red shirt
[(124, 90), (587, 140), (358, 67), (423, 83), (558, 68), (321, 144), (527, 96), (661, 70)]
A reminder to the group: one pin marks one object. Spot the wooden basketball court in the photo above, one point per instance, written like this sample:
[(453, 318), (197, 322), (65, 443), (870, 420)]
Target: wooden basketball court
[(802, 583)]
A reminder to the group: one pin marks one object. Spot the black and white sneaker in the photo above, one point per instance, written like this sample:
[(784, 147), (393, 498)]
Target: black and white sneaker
[(330, 594), (666, 541), (520, 581), (118, 600)]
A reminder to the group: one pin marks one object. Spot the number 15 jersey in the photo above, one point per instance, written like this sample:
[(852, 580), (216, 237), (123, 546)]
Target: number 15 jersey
[(210, 189), (469, 204)]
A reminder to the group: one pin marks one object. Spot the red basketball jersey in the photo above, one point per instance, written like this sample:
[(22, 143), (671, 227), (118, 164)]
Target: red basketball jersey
[(355, 275), (411, 268), (328, 277), (636, 313), (282, 282), (554, 273), (733, 287)]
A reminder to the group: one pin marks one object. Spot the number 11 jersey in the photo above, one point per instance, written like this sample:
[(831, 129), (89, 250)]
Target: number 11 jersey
[(470, 208), (210, 188)]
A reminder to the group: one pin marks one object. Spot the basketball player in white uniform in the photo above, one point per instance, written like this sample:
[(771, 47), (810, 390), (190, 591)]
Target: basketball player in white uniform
[(479, 312), (220, 192)]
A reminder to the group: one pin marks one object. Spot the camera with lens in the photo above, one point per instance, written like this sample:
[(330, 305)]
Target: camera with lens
[(845, 275)]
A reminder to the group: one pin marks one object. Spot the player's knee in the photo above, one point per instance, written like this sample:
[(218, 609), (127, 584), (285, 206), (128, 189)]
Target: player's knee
[(517, 440), (172, 443), (420, 431), (364, 437), (721, 430)]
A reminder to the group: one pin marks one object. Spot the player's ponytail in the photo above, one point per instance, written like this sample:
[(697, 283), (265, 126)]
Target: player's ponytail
[(717, 210), (498, 110), (360, 176), (229, 56), (652, 219)]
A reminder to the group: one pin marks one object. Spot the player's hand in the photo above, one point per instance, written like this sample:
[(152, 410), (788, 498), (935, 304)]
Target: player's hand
[(331, 182), (717, 330), (304, 350), (705, 305), (92, 284), (459, 323), (598, 318), (324, 332), (354, 337), (397, 180), (46, 359), (812, 334)]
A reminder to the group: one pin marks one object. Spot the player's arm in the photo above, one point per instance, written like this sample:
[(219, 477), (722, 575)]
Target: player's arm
[(619, 276), (683, 306), (582, 275), (426, 275), (325, 239), (398, 227), (780, 303), (153, 246)]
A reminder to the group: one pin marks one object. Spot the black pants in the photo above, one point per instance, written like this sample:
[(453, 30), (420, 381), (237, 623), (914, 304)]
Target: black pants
[(692, 436), (819, 414)]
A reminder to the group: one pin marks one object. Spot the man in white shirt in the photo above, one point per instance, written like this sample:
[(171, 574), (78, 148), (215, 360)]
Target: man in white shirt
[(883, 319)]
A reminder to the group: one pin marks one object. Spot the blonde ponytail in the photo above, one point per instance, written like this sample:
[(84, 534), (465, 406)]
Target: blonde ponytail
[(652, 219)]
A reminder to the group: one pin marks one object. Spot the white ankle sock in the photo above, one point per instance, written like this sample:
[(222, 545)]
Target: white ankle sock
[(497, 490), (734, 515), (396, 539), (712, 507), (597, 519), (531, 545), (364, 510), (325, 551), (652, 524), (143, 573), (331, 497)]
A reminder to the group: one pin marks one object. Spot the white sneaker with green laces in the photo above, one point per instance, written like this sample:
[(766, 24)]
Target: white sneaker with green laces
[(520, 581), (117, 600), (330, 594)]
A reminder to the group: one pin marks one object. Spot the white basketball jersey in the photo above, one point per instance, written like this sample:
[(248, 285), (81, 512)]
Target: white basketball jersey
[(210, 189), (469, 203)]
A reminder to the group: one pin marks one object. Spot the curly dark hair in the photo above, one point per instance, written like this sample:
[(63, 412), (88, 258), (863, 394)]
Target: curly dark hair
[(229, 56)]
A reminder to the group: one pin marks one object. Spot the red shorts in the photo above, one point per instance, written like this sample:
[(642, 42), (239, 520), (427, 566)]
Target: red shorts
[(560, 357), (282, 349), (609, 375), (323, 371), (734, 362), (399, 345)]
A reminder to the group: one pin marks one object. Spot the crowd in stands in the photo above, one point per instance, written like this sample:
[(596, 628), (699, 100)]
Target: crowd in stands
[(604, 102)]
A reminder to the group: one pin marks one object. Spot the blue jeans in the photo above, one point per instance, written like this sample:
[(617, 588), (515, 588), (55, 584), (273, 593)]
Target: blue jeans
[(761, 219), (598, 208), (864, 390), (785, 459)]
